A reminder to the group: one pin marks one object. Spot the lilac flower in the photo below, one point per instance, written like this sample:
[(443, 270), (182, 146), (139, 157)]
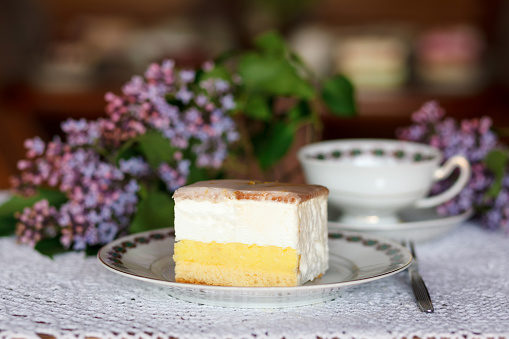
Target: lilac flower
[(194, 118), (167, 67), (24, 164), (108, 231), (208, 66), (153, 72), (430, 112), (36, 223), (222, 86), (184, 95), (208, 85), (227, 102), (79, 242), (35, 147), (201, 100), (131, 88), (80, 132), (473, 139), (174, 177), (187, 76), (136, 166)]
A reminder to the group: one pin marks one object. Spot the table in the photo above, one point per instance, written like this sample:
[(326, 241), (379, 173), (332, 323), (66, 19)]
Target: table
[(73, 296)]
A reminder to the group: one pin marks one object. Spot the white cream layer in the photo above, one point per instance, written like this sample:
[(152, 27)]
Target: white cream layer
[(300, 226)]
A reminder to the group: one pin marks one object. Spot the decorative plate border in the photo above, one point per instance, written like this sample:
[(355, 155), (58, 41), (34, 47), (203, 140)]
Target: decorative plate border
[(114, 256), (394, 253)]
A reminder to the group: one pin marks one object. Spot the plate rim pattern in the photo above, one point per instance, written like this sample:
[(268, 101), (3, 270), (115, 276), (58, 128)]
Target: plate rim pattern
[(111, 257)]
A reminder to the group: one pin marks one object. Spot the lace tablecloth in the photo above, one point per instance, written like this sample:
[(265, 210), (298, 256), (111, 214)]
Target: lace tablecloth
[(467, 272)]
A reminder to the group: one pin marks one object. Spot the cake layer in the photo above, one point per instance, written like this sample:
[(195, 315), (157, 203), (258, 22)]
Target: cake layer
[(250, 257), (235, 264), (224, 275), (220, 190), (244, 221)]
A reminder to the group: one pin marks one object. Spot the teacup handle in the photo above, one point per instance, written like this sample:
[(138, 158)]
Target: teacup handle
[(442, 173)]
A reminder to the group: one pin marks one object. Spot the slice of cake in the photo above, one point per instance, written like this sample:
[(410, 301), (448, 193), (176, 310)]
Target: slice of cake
[(247, 233)]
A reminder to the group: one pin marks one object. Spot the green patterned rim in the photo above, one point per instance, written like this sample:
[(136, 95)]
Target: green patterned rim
[(114, 256), (376, 152)]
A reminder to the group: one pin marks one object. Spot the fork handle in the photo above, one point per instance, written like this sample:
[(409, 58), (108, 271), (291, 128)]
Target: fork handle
[(421, 292)]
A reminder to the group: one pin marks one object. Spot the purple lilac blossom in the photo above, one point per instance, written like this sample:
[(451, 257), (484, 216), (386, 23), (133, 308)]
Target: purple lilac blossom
[(136, 166), (103, 196), (474, 139), (35, 147)]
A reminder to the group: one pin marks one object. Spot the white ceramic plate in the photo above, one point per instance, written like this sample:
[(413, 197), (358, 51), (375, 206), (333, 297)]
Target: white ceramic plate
[(354, 259), (416, 224)]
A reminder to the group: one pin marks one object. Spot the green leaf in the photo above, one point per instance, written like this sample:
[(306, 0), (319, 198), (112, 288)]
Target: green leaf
[(156, 148), (257, 107), (301, 111), (338, 94), (218, 72), (199, 174), (256, 70), (271, 42), (273, 75), (92, 251), (272, 146), (154, 211), (496, 161), (143, 192), (17, 203), (125, 151), (225, 56), (50, 247), (7, 226)]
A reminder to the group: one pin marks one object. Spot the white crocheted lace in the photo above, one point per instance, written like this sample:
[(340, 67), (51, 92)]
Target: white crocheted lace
[(467, 273)]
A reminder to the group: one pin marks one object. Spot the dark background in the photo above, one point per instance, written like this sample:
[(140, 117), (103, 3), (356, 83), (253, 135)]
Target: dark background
[(59, 57)]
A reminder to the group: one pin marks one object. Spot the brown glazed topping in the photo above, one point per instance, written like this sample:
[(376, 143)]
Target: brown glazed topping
[(219, 190)]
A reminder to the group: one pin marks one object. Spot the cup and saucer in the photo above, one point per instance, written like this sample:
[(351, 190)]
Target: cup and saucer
[(380, 186)]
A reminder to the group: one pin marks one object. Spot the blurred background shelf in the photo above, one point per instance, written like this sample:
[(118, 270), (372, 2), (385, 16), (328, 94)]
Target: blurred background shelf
[(60, 57), (381, 114)]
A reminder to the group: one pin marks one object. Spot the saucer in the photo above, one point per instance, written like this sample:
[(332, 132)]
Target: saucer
[(416, 224)]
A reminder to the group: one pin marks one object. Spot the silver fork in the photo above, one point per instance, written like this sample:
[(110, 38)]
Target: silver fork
[(420, 291)]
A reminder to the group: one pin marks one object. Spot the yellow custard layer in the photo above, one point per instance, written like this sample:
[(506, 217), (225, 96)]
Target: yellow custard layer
[(235, 264)]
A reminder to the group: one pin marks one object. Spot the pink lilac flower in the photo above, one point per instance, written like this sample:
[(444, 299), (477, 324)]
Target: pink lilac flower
[(35, 147), (37, 223)]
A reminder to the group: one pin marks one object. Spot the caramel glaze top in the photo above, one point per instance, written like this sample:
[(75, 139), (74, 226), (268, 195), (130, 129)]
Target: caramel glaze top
[(219, 190)]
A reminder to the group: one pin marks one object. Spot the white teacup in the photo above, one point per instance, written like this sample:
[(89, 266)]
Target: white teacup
[(370, 180)]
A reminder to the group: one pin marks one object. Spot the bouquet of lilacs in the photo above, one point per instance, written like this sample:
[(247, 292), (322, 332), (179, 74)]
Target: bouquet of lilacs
[(168, 128), (487, 192), (116, 174)]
